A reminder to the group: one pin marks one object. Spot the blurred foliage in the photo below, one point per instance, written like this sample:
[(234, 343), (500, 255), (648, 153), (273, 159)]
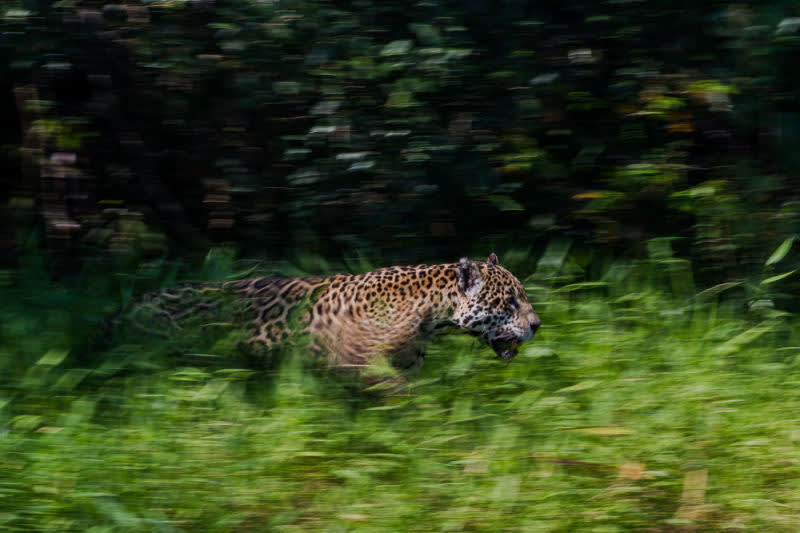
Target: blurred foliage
[(141, 129), (634, 162), (642, 403)]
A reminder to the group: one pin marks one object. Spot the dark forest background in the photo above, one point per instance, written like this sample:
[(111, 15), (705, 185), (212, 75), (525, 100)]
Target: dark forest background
[(403, 132)]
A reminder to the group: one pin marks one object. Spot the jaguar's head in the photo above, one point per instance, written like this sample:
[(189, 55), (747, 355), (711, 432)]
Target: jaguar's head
[(492, 305)]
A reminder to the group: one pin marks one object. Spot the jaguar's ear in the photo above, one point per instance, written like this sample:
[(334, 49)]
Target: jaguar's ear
[(493, 259), (469, 277)]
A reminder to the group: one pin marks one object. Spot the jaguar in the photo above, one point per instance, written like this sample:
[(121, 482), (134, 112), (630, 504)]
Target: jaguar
[(354, 318)]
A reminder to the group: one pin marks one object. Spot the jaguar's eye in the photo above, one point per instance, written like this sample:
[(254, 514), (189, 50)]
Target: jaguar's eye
[(513, 302)]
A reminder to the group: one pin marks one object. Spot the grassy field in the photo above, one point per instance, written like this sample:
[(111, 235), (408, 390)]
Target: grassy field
[(644, 403)]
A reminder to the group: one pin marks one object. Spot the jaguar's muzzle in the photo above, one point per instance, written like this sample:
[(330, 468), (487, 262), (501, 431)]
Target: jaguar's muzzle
[(505, 350)]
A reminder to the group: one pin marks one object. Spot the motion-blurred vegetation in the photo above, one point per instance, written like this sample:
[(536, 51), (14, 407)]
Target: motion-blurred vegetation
[(644, 403), (633, 163)]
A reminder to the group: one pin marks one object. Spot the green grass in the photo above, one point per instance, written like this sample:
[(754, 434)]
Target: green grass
[(638, 406)]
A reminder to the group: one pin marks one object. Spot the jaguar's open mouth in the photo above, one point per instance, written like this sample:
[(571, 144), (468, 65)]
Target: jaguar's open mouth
[(505, 350)]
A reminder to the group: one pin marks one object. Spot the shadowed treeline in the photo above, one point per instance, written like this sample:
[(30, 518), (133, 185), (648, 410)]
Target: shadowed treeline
[(141, 128)]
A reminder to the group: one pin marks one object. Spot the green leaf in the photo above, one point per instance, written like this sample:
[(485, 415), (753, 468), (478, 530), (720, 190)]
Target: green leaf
[(503, 202), (583, 385), (781, 252), (401, 99), (779, 277), (395, 48), (716, 289), (608, 431), (736, 343), (584, 285), (52, 357)]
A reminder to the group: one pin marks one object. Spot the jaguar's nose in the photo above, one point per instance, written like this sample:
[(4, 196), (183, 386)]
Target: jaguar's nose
[(535, 323)]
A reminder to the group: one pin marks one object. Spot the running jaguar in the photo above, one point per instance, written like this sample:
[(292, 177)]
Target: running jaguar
[(389, 312)]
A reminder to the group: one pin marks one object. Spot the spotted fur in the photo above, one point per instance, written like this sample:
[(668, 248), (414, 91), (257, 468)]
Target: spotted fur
[(387, 312)]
